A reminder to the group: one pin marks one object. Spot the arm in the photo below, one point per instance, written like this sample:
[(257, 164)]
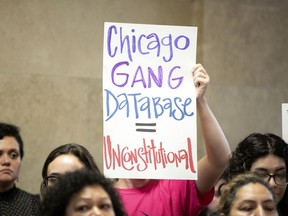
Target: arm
[(211, 166)]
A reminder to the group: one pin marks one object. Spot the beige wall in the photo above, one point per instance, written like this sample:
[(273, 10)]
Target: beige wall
[(51, 65)]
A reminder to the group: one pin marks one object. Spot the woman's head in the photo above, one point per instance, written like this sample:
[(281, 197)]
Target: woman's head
[(246, 194), (66, 158), (11, 154), (256, 146), (10, 130), (82, 192), (265, 155)]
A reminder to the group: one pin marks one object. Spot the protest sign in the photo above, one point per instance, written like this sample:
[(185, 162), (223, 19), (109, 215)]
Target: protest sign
[(149, 107)]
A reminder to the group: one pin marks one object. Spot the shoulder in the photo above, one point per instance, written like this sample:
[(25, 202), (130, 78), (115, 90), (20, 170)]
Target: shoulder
[(27, 195)]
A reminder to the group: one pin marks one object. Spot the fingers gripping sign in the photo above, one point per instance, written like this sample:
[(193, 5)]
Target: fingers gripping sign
[(201, 79)]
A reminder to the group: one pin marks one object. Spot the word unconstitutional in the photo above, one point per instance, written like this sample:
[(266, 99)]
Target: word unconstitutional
[(148, 155), (119, 43)]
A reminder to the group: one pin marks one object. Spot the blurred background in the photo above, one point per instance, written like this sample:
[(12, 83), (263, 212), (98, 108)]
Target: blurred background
[(51, 67)]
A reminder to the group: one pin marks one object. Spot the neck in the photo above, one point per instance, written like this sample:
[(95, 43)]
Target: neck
[(131, 183), (5, 187)]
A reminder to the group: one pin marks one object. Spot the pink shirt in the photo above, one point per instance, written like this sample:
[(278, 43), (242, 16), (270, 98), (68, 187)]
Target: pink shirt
[(165, 198)]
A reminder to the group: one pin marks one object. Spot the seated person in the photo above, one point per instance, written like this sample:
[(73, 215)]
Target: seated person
[(247, 194), (82, 192)]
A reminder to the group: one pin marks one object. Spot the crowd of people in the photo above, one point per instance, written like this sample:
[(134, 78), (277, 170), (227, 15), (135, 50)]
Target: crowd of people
[(251, 180)]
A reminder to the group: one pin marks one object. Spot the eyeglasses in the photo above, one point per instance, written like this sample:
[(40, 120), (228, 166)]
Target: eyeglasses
[(279, 179), (51, 180), (219, 191)]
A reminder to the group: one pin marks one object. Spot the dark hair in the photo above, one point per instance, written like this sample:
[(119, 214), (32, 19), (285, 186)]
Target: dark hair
[(282, 205), (253, 147), (13, 131), (230, 190), (206, 211), (57, 198), (71, 148)]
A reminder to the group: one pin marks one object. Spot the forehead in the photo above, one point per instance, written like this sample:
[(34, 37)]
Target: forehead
[(64, 163), (269, 162), (92, 192), (253, 191), (8, 142)]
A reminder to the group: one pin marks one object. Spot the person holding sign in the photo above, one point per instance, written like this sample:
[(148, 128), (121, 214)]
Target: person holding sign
[(266, 156), (182, 197)]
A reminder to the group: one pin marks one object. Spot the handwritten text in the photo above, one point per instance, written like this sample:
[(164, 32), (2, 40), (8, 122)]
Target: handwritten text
[(133, 105), (149, 154), (144, 44)]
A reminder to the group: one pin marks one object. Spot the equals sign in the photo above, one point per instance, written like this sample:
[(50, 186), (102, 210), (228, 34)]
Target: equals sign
[(144, 127)]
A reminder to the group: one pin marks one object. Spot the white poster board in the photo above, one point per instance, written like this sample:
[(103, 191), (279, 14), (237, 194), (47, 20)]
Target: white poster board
[(285, 121), (149, 107)]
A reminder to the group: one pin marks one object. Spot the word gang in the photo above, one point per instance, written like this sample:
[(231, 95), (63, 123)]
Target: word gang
[(120, 76)]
